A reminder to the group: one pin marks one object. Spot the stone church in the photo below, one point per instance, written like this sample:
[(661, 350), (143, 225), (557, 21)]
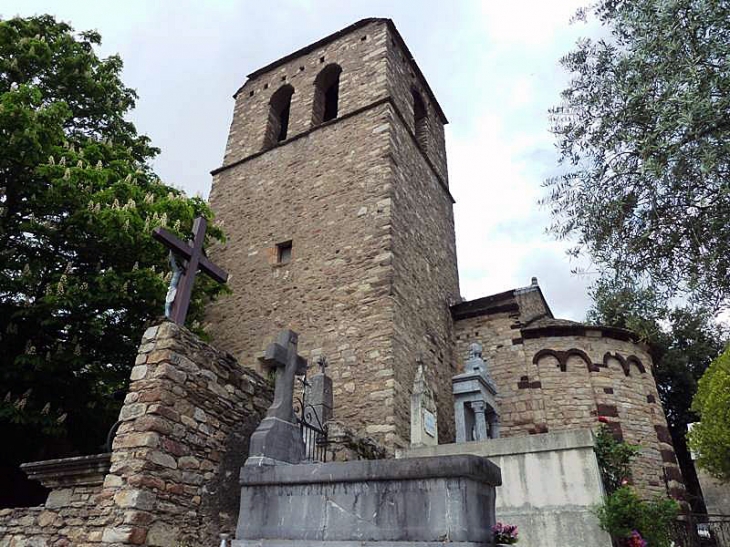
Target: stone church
[(334, 194)]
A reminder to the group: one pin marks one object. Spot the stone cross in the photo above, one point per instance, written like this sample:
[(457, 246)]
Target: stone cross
[(282, 355), (278, 438), (196, 260)]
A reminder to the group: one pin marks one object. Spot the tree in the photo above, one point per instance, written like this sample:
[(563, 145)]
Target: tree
[(710, 438), (683, 341), (644, 137), (80, 276)]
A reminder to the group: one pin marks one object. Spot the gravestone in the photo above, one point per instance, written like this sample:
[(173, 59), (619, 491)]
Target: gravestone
[(475, 406), (278, 439), (424, 425), (319, 394)]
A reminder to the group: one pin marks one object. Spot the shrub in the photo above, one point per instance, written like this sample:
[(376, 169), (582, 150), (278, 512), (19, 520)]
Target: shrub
[(623, 513), (710, 438), (614, 459)]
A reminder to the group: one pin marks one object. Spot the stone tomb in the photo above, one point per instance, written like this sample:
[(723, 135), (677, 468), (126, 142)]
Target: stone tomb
[(380, 503)]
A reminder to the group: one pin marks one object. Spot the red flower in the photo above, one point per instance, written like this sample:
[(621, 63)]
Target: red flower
[(603, 419)]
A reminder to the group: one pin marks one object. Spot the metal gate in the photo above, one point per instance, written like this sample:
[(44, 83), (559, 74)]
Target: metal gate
[(314, 432), (697, 530)]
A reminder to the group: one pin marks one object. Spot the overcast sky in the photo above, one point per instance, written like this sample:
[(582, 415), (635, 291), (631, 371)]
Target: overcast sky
[(493, 65)]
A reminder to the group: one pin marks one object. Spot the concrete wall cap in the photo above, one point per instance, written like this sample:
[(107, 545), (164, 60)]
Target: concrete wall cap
[(464, 466)]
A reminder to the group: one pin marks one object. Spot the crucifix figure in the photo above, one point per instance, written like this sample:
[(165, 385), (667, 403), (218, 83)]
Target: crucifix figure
[(278, 439), (181, 286)]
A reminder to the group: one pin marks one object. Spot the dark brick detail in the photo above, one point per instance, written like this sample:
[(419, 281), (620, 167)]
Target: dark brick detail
[(523, 384), (650, 399), (607, 410), (524, 378), (615, 428), (625, 362), (562, 358), (662, 433), (516, 326), (608, 390), (516, 341), (539, 428), (668, 456), (536, 385)]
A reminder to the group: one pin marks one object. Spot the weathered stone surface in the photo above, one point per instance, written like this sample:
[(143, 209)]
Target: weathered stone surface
[(421, 499), (359, 218), (550, 507)]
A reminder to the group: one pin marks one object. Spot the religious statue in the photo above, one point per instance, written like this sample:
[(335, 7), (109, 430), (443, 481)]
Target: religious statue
[(180, 292), (177, 271)]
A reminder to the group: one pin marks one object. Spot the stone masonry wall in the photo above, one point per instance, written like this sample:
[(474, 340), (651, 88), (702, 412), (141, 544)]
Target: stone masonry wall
[(70, 516), (542, 397), (360, 203), (362, 82), (335, 208), (425, 280), (402, 79), (186, 423), (174, 469)]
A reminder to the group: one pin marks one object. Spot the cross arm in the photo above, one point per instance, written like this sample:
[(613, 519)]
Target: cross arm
[(183, 249), (277, 355), (172, 242)]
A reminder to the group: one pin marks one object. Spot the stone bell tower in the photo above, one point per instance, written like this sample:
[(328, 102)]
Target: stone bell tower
[(334, 196)]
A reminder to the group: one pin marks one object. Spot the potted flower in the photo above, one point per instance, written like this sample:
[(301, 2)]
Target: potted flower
[(504, 534)]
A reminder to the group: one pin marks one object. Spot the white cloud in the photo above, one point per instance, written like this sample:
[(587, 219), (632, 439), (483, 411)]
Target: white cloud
[(493, 66)]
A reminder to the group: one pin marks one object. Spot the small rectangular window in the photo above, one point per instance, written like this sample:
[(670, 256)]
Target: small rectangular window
[(283, 253)]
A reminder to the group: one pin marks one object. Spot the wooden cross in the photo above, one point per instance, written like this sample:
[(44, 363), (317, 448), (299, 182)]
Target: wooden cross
[(282, 355), (194, 255)]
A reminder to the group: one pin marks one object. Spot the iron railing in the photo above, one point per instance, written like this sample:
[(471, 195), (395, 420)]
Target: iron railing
[(697, 530), (314, 432)]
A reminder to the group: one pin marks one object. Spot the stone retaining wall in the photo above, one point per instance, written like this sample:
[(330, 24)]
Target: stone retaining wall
[(550, 485), (173, 476)]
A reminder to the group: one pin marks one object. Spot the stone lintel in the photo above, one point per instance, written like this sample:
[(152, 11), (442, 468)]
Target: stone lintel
[(69, 472), (478, 380)]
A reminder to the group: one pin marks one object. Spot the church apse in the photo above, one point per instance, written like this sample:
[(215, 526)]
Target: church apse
[(558, 375)]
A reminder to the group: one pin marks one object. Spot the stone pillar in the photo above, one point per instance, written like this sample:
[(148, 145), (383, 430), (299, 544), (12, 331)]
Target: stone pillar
[(319, 395), (460, 421), (424, 426), (480, 426), (494, 426)]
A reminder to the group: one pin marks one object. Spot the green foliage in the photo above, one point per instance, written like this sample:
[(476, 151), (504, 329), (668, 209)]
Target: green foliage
[(710, 438), (80, 276), (623, 511), (614, 458), (644, 139)]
